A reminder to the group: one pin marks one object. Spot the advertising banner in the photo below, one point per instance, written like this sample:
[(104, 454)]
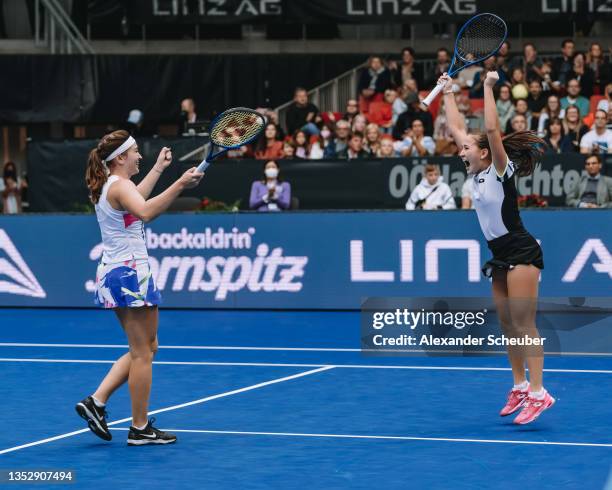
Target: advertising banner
[(357, 11), (299, 260)]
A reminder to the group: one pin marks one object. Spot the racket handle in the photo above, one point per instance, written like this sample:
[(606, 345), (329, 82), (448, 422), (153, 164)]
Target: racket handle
[(203, 166), (432, 95)]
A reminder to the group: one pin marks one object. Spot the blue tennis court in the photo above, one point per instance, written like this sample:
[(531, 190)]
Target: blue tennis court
[(286, 399)]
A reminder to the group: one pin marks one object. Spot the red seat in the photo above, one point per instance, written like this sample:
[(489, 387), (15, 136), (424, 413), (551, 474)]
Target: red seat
[(326, 116), (477, 105), (594, 101)]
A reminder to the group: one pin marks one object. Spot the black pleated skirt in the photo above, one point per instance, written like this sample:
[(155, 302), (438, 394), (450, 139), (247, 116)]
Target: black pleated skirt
[(512, 249)]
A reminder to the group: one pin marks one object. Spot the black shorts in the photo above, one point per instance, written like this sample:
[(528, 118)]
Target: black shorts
[(512, 249)]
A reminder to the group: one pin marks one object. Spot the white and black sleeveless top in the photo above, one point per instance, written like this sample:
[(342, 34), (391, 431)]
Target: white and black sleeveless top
[(123, 234), (495, 201)]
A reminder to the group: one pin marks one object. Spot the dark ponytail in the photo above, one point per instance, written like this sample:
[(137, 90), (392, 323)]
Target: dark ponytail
[(524, 149), (97, 171)]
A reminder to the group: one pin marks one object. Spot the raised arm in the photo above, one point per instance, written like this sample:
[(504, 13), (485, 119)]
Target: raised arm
[(146, 185), (129, 198), (456, 122), (498, 153)]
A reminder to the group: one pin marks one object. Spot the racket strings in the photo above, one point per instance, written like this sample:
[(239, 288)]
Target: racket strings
[(481, 38), (236, 128)]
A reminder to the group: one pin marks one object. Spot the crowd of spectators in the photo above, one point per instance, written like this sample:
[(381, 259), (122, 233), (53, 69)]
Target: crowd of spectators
[(564, 97)]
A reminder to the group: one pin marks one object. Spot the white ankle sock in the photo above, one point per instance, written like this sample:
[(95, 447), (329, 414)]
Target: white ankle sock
[(538, 395), (141, 428), (522, 386), (97, 402)]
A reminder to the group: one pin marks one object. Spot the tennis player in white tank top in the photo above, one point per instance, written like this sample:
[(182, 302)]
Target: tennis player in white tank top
[(123, 279), (493, 162)]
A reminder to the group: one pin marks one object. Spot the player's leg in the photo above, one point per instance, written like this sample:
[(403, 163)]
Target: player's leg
[(140, 325), (500, 297), (518, 393), (93, 408), (523, 282), (118, 374), (522, 300)]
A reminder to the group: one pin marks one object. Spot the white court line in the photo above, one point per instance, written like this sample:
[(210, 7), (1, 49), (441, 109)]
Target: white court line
[(176, 407), (189, 347), (285, 349), (390, 438), (346, 366)]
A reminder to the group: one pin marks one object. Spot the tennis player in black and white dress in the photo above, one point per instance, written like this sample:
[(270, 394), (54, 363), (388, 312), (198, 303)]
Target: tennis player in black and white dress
[(123, 279), (492, 161)]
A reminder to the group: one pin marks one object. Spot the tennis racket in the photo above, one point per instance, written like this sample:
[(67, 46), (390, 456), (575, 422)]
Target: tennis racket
[(232, 129), (479, 39)]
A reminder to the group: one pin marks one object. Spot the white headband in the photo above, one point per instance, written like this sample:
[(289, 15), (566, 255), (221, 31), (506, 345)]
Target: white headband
[(124, 147)]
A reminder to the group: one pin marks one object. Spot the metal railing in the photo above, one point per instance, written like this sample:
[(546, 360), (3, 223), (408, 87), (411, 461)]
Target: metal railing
[(329, 96), (333, 94), (54, 29)]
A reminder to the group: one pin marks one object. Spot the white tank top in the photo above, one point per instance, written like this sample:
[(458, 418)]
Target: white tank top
[(122, 233)]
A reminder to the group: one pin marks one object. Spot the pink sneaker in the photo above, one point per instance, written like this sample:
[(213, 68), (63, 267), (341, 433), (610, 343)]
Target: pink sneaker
[(516, 398), (533, 408)]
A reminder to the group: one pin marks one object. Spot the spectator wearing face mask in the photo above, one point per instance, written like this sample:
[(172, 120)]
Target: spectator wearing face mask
[(11, 188), (271, 193), (319, 143)]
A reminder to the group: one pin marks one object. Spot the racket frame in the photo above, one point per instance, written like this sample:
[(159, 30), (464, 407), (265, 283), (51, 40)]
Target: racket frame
[(223, 149), (438, 88)]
